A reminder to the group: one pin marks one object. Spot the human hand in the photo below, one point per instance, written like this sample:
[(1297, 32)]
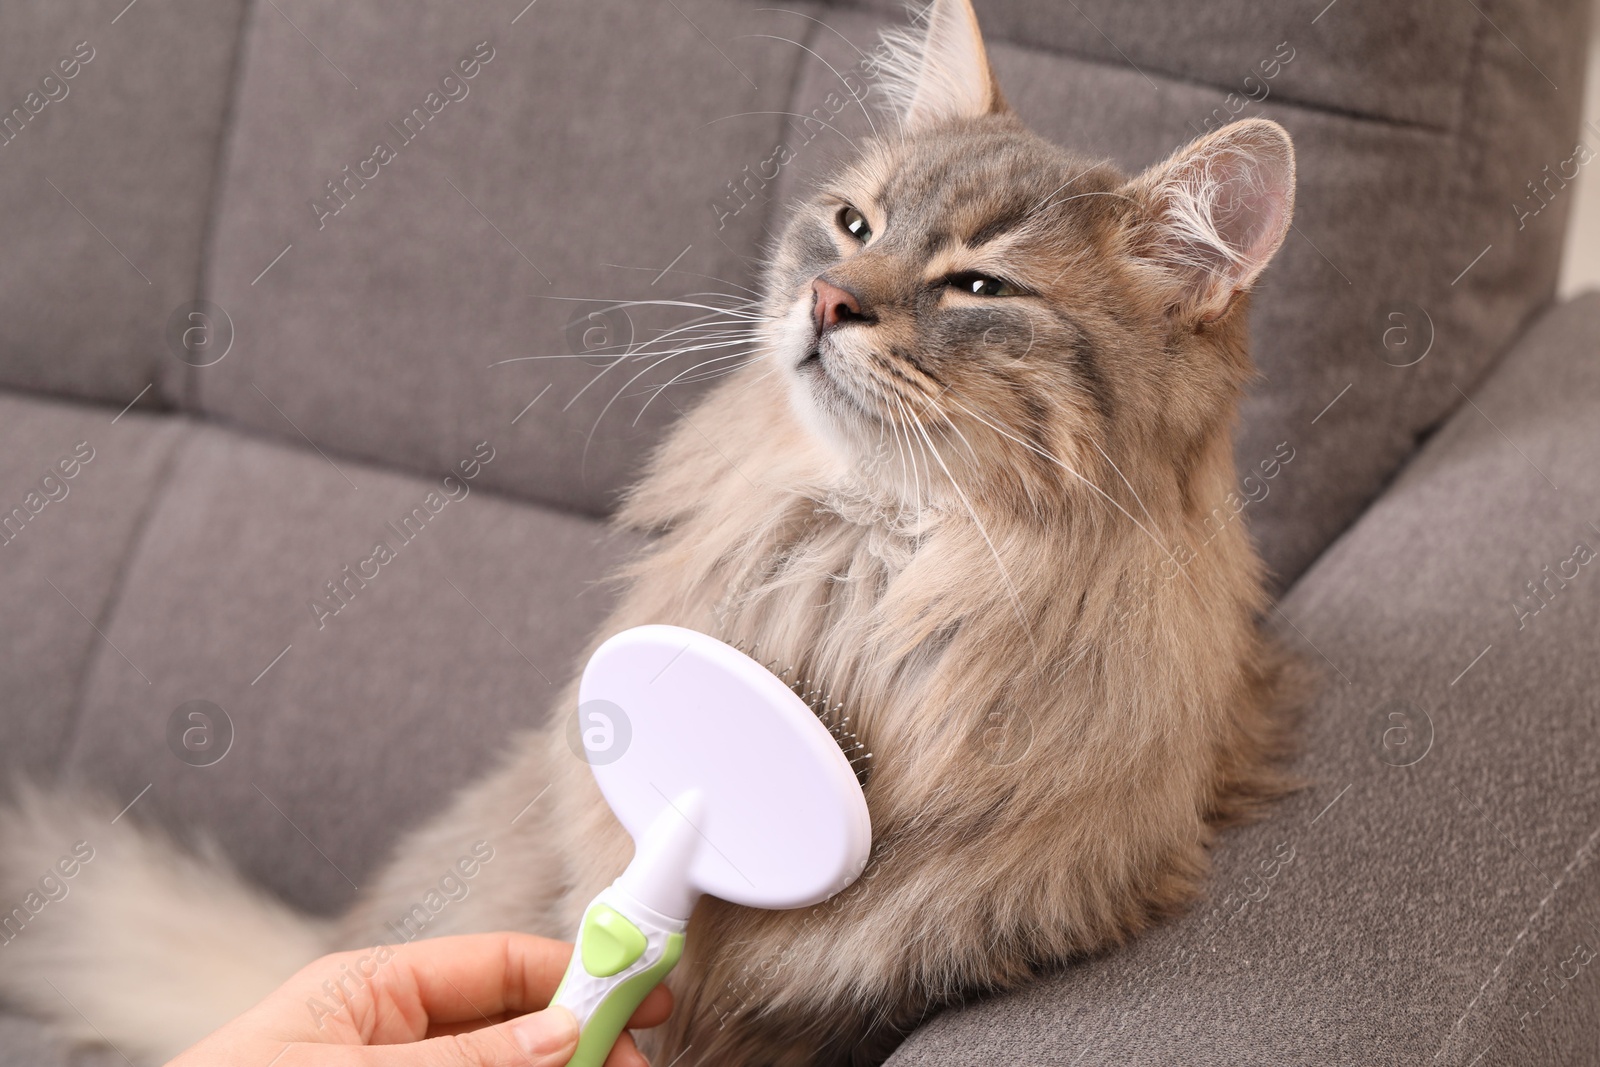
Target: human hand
[(445, 1002)]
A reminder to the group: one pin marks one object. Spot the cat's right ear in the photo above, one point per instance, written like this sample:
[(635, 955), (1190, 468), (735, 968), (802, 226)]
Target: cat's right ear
[(943, 73), (1214, 214)]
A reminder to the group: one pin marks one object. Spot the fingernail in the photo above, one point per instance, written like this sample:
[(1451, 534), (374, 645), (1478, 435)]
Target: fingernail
[(547, 1031)]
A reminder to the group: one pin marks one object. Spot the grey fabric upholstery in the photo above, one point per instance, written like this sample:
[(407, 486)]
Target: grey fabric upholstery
[(547, 181), (374, 715), (1426, 915), (591, 153), (93, 266), (63, 567)]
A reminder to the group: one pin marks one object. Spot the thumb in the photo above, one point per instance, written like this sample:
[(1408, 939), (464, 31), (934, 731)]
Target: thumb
[(545, 1038)]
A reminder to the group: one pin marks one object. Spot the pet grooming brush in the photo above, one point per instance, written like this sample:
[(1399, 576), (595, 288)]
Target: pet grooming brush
[(730, 785)]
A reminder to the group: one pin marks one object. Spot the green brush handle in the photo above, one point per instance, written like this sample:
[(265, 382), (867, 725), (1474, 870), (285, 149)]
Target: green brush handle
[(623, 951)]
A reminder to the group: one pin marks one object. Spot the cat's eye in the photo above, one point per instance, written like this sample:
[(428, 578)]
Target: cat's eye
[(981, 284), (855, 224)]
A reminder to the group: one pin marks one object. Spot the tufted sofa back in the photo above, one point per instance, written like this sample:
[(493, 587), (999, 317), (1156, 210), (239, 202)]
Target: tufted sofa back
[(375, 214)]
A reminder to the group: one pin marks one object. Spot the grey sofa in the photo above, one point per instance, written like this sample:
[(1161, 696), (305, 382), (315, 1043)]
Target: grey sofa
[(251, 357)]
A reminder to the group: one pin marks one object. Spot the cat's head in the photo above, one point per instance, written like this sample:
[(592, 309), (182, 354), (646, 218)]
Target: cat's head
[(965, 303)]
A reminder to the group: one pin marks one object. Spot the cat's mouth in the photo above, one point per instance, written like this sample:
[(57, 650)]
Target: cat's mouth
[(812, 365), (826, 384)]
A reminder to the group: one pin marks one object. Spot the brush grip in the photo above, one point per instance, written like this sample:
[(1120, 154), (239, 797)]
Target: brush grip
[(623, 951)]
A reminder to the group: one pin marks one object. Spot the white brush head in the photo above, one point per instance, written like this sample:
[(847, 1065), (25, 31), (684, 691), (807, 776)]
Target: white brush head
[(768, 811)]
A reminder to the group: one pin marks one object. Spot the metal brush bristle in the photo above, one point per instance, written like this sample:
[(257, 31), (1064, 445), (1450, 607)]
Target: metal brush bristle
[(828, 713)]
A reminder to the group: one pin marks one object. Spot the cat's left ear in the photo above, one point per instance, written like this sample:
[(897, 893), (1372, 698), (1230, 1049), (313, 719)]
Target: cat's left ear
[(1215, 213), (952, 78)]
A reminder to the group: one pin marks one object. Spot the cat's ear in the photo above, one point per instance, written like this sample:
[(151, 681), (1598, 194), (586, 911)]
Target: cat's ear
[(1214, 214), (943, 73)]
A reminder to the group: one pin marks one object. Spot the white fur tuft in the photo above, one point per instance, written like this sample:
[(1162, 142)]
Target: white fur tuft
[(1220, 208), (899, 64), (144, 945)]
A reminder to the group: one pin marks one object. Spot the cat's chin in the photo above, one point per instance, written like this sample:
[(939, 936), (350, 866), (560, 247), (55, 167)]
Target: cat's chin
[(827, 408), (828, 395)]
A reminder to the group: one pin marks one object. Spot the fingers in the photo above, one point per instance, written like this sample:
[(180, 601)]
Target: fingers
[(458, 979), (626, 1054), (474, 979), (653, 1010), (395, 993), (544, 1039), (446, 1029), (456, 990)]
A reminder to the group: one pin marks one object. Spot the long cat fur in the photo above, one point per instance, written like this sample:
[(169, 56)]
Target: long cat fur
[(1027, 603)]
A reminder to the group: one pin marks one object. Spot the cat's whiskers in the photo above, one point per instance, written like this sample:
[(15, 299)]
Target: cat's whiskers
[(885, 392), (972, 512), (911, 453), (905, 467), (819, 22), (631, 350), (946, 420), (688, 377), (1086, 481), (739, 306), (742, 314), (1043, 200), (659, 358), (788, 40), (887, 429), (641, 352), (1137, 499), (681, 379), (643, 349), (735, 322), (728, 335), (687, 274)]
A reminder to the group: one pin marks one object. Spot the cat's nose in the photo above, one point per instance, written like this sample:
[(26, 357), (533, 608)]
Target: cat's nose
[(831, 305)]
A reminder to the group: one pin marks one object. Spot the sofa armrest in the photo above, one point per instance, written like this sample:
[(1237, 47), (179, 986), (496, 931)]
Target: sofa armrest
[(1429, 897)]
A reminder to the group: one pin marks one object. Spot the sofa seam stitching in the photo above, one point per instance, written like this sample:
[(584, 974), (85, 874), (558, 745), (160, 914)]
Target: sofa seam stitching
[(189, 400), (114, 595)]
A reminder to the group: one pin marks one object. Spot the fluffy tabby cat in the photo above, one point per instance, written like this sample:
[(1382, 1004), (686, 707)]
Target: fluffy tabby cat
[(979, 459)]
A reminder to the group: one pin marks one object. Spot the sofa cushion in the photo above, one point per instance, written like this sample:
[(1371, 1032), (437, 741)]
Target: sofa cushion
[(353, 720), (77, 485), (113, 123), (1429, 897)]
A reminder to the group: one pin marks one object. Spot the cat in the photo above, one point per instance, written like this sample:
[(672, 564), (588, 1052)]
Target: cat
[(959, 483)]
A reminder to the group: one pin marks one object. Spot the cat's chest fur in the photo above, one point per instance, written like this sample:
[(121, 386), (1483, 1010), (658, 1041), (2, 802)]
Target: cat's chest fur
[(808, 593)]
